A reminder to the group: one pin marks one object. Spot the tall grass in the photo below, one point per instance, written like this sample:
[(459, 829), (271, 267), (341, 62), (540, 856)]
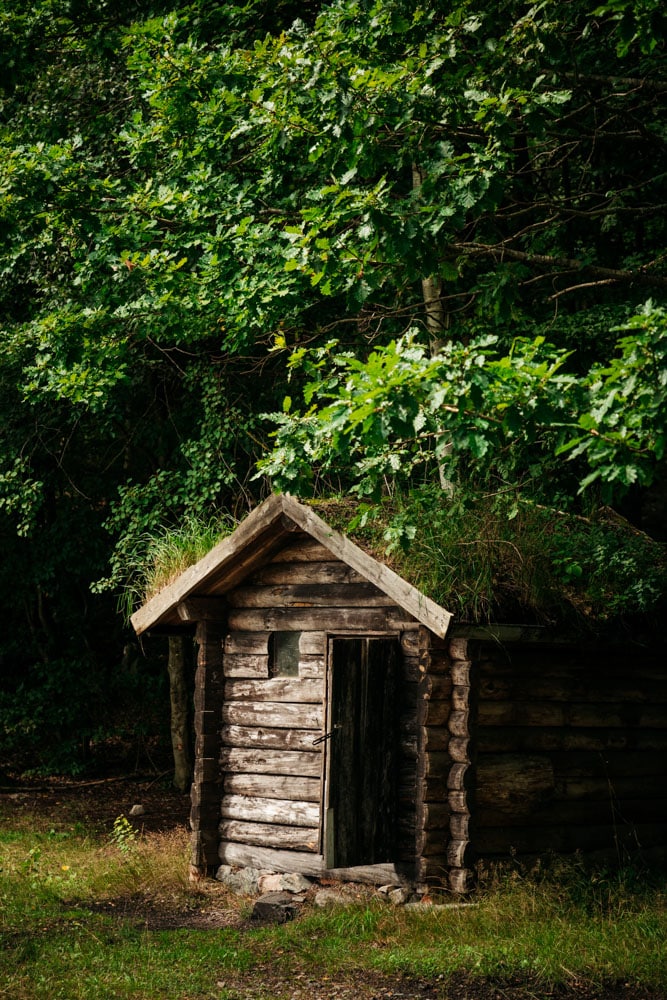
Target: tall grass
[(72, 909)]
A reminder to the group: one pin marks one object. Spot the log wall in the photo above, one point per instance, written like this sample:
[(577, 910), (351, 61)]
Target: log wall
[(270, 809), (571, 751)]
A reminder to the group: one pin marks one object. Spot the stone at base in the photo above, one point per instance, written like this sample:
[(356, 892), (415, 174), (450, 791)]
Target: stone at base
[(274, 908)]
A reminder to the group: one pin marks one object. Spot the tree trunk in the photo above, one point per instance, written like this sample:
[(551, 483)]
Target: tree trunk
[(437, 322), (178, 691)]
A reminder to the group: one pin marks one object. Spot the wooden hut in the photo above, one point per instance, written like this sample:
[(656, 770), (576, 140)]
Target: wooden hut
[(345, 724)]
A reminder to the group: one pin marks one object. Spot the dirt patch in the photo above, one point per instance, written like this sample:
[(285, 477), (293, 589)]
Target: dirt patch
[(62, 803)]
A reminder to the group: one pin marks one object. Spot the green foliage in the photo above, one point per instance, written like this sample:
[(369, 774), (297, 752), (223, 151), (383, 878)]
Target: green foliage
[(503, 558)]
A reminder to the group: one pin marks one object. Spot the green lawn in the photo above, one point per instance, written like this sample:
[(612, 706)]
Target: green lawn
[(87, 916)]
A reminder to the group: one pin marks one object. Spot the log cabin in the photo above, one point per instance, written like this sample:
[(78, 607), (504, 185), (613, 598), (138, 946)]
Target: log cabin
[(346, 725)]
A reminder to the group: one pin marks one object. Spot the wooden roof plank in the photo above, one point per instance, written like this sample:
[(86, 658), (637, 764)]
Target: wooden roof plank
[(264, 530)]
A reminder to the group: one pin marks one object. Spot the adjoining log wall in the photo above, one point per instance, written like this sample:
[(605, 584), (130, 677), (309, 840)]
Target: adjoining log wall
[(571, 751), (271, 771)]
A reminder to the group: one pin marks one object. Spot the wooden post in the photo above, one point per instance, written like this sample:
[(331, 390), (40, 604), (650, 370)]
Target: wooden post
[(206, 788)]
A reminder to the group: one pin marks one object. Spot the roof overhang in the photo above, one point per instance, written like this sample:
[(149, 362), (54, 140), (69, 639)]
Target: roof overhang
[(254, 542)]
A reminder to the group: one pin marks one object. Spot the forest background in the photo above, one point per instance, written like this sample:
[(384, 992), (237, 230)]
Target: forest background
[(410, 254)]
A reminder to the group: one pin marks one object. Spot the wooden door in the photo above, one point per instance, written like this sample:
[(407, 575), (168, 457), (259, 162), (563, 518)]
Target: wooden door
[(362, 773)]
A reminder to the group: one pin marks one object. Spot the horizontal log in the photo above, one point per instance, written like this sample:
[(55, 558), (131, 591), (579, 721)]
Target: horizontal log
[(273, 715), (612, 764), (202, 609), (610, 789), (434, 842), (273, 786), (518, 780), (459, 853), (435, 764), (287, 762), (310, 619), (259, 810), (436, 815), (501, 841), (460, 777), (306, 573), (399, 620), (436, 713), (458, 801), (461, 672), (246, 665), (578, 812), (247, 643), (459, 724), (435, 738), (434, 789), (270, 835), (313, 644), (410, 642), (303, 549), (572, 689), (460, 698), (275, 689), (458, 648), (461, 881), (248, 856), (520, 714), (459, 749), (300, 595), (433, 870), (437, 687), (270, 739), (312, 667), (509, 739)]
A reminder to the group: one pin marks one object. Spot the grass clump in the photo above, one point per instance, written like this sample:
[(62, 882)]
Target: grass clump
[(74, 909), (491, 559)]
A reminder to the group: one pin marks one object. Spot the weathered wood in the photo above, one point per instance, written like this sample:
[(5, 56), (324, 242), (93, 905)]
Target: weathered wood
[(459, 853), (203, 850), (304, 765), (437, 687), (259, 810), (273, 860), (576, 688), (458, 648), (206, 769), (206, 744), (460, 826), (521, 714), (406, 597), (252, 542), (458, 801), (461, 880), (460, 697), (618, 812), (270, 835), (436, 713), (273, 715), (246, 665), (276, 689), (516, 779), (508, 739), (459, 724), (312, 667), (309, 619), (247, 643), (302, 550), (410, 642), (459, 778), (435, 764), (313, 644), (297, 595), (459, 749), (436, 815), (270, 739), (460, 672), (436, 738), (433, 870), (306, 573), (202, 609), (274, 786)]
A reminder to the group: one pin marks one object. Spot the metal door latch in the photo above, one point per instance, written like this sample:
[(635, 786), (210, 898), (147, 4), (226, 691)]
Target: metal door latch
[(326, 736)]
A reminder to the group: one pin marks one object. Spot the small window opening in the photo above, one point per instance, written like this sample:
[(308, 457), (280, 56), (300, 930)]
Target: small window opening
[(284, 654)]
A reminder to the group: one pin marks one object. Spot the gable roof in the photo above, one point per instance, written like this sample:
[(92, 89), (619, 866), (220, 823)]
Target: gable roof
[(255, 541)]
